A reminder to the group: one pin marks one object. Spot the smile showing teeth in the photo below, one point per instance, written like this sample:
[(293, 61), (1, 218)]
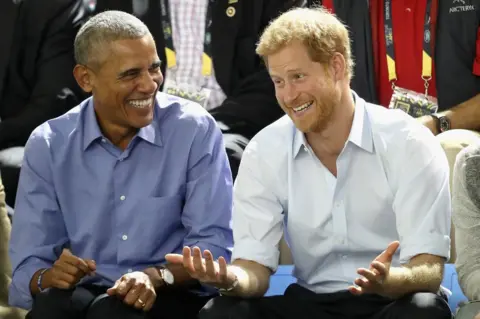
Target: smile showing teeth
[(303, 107), (140, 104)]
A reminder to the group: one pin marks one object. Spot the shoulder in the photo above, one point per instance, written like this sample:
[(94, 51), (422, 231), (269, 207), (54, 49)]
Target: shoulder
[(50, 9), (268, 151), (467, 169), (470, 155), (178, 113), (275, 139), (396, 130), (55, 134)]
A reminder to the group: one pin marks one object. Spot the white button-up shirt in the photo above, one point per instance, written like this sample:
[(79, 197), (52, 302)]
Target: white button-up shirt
[(392, 184)]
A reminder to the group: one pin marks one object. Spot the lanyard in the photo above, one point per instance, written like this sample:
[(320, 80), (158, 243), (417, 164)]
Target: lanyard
[(427, 47), (169, 47)]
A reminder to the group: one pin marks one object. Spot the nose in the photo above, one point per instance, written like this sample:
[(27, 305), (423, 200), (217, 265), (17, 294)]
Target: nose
[(149, 83), (290, 94)]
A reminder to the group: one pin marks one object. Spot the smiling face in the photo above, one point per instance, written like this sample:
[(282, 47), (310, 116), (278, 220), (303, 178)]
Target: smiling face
[(125, 83), (304, 88)]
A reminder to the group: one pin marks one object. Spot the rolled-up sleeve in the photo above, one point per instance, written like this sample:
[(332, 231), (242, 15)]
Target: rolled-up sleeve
[(466, 219), (207, 212), (422, 201), (258, 210), (38, 228)]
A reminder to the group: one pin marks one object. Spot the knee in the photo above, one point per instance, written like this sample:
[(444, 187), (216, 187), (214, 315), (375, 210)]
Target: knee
[(51, 303), (105, 306), (221, 307), (424, 305)]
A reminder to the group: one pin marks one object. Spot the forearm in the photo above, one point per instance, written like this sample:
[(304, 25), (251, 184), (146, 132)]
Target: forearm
[(410, 279), (466, 115), (253, 278)]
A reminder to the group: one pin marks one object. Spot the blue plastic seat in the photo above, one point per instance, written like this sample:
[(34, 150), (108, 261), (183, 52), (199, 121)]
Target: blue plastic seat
[(283, 278)]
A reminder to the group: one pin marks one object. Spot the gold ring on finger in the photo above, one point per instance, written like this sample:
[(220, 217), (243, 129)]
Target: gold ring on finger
[(141, 302)]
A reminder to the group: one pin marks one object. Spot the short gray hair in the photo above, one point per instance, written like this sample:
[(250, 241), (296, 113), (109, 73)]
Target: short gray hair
[(104, 28)]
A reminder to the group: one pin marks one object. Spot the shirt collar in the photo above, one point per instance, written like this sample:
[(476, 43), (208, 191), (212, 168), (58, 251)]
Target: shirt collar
[(91, 133), (360, 133)]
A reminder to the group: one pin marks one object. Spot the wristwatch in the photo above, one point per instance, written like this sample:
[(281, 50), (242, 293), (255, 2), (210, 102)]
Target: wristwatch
[(443, 123), (166, 275), (233, 286)]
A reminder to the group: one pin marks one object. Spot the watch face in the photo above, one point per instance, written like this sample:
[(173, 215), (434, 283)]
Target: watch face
[(444, 124), (167, 277)]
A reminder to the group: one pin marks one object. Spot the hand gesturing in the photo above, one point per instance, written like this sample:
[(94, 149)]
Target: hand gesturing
[(373, 281), (205, 269)]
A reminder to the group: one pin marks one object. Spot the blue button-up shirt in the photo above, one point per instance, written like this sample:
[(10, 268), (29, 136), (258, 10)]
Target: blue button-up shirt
[(170, 187)]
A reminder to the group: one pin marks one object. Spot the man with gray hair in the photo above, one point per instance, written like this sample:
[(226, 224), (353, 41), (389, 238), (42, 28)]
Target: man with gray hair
[(111, 187)]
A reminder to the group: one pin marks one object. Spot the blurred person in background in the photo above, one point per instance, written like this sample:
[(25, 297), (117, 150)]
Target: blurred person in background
[(208, 55), (6, 312), (36, 81), (466, 219)]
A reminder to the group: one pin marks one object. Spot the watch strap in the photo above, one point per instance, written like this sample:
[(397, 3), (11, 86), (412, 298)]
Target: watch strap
[(232, 286), (437, 121)]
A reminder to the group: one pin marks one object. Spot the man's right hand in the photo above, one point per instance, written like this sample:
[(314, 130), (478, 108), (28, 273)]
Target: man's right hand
[(67, 271), (205, 270)]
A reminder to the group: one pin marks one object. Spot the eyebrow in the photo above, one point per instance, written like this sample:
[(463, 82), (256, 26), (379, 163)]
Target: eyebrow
[(288, 72), (131, 71)]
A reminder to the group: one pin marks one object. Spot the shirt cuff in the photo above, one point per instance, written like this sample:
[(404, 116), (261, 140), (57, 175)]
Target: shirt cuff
[(432, 244), (19, 294), (256, 251)]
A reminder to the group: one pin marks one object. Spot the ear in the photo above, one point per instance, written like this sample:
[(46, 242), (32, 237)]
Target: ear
[(338, 66), (84, 77)]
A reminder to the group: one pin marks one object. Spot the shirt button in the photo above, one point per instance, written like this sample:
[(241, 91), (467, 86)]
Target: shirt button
[(130, 270), (104, 140), (124, 237), (122, 197)]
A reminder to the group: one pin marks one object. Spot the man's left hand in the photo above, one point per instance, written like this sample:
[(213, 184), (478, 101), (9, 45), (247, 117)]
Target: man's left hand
[(429, 122), (375, 279), (135, 289)]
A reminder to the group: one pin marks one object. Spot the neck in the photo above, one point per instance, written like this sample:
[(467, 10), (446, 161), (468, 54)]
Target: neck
[(332, 139), (120, 136)]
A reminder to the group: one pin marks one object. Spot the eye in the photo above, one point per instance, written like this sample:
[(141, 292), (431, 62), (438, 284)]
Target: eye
[(155, 68), (299, 76), (129, 75), (277, 81)]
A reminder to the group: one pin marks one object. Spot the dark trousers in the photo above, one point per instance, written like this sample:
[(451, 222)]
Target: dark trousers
[(91, 302), (301, 303)]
